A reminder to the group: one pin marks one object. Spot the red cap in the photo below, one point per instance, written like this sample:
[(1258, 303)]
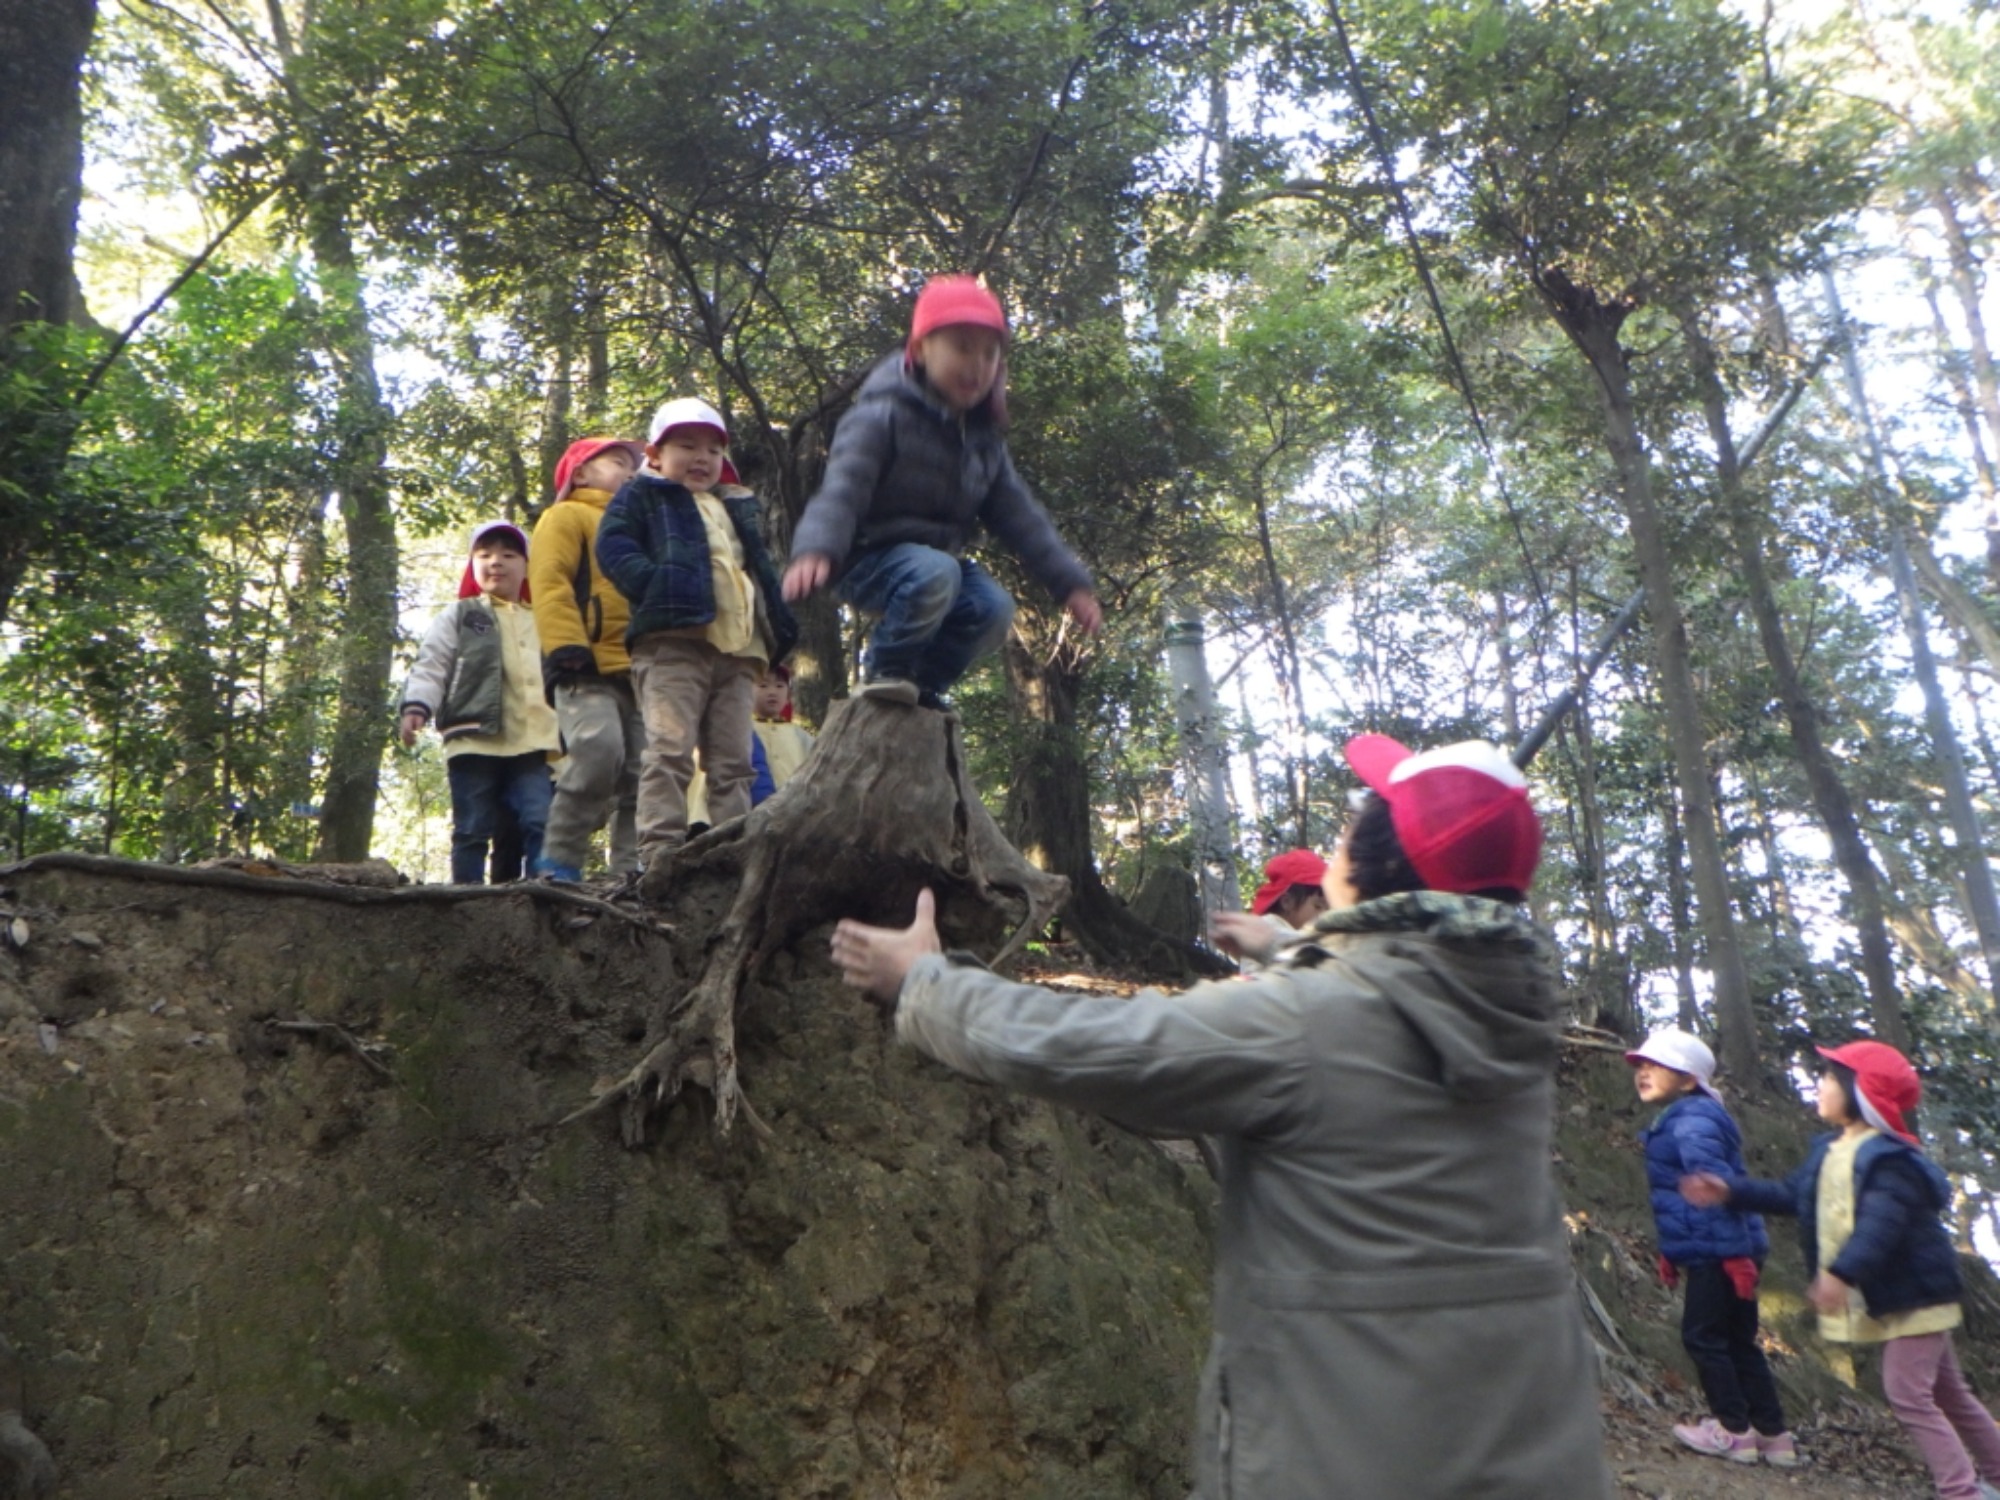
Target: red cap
[(582, 451), (1885, 1084), (1293, 867), (1461, 812), (947, 302), (468, 586)]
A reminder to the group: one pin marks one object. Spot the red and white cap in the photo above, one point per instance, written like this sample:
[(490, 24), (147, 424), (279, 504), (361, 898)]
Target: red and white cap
[(468, 586), (581, 452), (1293, 867), (1683, 1051), (1461, 812), (691, 411), (1885, 1085)]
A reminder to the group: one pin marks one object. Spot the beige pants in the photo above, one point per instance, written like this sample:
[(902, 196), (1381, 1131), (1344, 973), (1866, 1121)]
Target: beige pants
[(693, 697), (598, 777)]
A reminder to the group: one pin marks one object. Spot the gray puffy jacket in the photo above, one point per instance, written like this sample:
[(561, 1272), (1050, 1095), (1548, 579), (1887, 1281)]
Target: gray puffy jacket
[(906, 468)]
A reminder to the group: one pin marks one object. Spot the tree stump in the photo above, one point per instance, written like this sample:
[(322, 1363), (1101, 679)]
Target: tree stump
[(883, 808)]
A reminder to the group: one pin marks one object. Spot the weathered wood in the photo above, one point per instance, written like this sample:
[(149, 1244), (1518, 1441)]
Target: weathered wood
[(882, 809)]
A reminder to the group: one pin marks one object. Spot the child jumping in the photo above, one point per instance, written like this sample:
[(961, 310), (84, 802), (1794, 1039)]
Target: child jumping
[(1870, 1206), (918, 464), (681, 542), (478, 678), (1718, 1251), (585, 667)]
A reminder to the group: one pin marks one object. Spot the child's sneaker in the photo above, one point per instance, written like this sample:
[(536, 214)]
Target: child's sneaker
[(1780, 1451), (890, 690), (1711, 1437)]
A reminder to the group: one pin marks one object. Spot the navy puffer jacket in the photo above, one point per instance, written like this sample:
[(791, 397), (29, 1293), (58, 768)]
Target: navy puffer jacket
[(1696, 1134), (1899, 1254), (905, 468)]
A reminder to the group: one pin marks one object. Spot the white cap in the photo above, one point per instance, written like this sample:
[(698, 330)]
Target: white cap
[(685, 411), (1682, 1051)]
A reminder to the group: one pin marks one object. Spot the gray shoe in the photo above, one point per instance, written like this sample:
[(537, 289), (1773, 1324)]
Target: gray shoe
[(890, 690)]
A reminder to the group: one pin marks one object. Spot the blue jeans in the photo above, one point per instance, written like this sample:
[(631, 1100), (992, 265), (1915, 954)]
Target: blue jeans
[(940, 613), (481, 785)]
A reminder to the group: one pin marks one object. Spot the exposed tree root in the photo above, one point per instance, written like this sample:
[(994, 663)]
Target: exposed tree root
[(882, 809)]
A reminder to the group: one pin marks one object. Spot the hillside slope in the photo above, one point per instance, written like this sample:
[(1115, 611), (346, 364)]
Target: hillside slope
[(291, 1213)]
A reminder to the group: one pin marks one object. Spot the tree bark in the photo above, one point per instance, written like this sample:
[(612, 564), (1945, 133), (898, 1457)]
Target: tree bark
[(1829, 792), (1204, 761), (368, 622), (42, 48), (883, 809), (1048, 818), (1593, 324)]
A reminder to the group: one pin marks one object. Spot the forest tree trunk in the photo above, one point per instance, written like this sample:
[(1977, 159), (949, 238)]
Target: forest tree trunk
[(42, 47), (1823, 779), (360, 465), (1975, 868), (1048, 819), (1593, 324)]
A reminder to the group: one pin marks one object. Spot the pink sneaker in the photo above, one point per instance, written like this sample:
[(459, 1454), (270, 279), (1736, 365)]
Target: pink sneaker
[(1711, 1437), (1778, 1450)]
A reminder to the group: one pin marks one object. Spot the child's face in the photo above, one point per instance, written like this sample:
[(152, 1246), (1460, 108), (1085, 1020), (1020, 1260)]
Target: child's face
[(1656, 1084), (1301, 906), (1833, 1104), (962, 362), (770, 697), (689, 455), (606, 471), (499, 569)]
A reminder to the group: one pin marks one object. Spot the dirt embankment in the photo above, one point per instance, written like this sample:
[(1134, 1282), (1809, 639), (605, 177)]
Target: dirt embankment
[(288, 1214)]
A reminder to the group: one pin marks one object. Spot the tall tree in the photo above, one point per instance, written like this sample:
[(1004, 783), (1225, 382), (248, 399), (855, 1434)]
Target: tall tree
[(42, 48)]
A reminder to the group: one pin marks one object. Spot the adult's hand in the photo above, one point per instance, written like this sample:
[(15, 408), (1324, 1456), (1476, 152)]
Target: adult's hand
[(1085, 610), (407, 727), (878, 959), (1242, 935), (1704, 1190), (807, 574)]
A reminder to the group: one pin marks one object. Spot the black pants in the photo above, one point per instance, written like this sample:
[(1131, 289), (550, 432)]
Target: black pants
[(1719, 1331)]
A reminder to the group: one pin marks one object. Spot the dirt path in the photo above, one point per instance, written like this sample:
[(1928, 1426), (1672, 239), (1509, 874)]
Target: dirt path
[(1855, 1454)]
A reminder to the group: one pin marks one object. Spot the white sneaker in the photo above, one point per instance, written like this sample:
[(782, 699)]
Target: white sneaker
[(890, 690)]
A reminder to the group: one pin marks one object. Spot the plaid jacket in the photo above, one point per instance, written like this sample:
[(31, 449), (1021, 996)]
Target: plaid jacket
[(652, 545)]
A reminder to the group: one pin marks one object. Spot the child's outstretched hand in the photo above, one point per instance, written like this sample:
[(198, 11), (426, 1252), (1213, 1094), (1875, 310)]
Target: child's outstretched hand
[(807, 574), (1828, 1292), (407, 727), (1084, 609), (877, 959), (1704, 1190)]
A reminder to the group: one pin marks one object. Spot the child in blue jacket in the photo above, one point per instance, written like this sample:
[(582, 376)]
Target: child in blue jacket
[(1718, 1250), (1870, 1208)]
